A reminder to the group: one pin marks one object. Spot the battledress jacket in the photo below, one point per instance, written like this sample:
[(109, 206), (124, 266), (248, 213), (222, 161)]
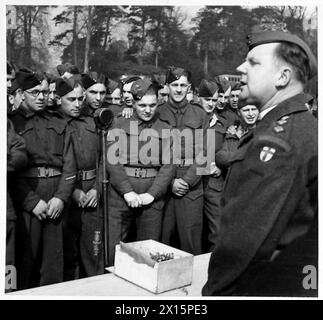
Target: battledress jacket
[(270, 195)]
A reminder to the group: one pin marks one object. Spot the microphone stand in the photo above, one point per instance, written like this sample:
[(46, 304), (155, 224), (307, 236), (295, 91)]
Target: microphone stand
[(105, 182), (103, 118)]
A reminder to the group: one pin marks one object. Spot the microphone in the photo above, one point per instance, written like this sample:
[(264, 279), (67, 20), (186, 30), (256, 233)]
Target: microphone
[(103, 118), (237, 123)]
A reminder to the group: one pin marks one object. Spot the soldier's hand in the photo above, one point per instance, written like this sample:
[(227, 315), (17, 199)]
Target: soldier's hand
[(146, 198), (79, 197), (232, 130), (127, 112), (133, 200), (239, 132), (55, 207), (215, 170), (40, 210), (91, 199), (180, 187)]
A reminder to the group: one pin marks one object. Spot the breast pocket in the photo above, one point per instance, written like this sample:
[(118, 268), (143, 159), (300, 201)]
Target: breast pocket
[(56, 139)]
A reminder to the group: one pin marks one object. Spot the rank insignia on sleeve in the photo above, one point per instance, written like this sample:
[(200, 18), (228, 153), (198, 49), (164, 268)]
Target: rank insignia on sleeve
[(278, 129), (267, 153)]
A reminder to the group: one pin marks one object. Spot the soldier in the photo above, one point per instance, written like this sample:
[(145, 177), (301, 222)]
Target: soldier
[(67, 70), (126, 82), (163, 93), (249, 115), (137, 183), (52, 97), (15, 97), (233, 102), (113, 93), (213, 178), (44, 187), (262, 244), (10, 75), (83, 223), (16, 160), (184, 210)]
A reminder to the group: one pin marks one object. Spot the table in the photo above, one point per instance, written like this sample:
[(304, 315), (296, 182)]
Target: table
[(111, 285)]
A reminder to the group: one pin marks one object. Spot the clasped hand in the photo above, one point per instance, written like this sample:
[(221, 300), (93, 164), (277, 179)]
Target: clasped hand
[(135, 200)]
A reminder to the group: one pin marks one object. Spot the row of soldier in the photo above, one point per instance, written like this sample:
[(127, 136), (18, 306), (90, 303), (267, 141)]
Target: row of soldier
[(55, 186)]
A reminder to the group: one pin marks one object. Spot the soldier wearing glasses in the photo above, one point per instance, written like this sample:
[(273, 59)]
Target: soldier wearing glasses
[(44, 187)]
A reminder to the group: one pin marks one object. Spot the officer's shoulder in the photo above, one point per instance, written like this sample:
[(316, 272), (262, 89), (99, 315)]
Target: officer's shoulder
[(278, 134)]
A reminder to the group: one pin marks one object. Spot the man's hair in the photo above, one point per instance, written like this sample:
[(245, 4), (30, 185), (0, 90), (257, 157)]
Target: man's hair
[(152, 91), (296, 58)]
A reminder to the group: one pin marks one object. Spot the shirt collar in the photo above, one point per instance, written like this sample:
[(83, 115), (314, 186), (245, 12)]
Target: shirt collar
[(264, 112)]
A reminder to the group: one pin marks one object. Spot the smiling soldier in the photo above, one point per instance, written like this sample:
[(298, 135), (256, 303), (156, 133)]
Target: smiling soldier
[(138, 185), (270, 198)]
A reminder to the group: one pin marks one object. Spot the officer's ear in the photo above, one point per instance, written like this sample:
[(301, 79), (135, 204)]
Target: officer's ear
[(11, 99), (284, 76), (58, 100)]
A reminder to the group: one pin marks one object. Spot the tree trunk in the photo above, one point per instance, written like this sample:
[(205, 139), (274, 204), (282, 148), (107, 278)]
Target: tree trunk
[(206, 59), (88, 40), (106, 33), (156, 59), (75, 36)]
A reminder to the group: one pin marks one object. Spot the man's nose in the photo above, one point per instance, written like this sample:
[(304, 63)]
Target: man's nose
[(241, 68)]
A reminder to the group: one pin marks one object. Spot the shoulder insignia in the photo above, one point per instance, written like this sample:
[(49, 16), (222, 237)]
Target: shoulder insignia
[(283, 120), (278, 129), (267, 153)]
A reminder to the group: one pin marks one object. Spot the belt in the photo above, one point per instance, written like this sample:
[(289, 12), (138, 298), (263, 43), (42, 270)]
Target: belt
[(86, 174), (141, 172), (42, 172)]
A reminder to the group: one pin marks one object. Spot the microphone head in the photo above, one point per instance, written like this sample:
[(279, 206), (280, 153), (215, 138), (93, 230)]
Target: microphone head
[(103, 118), (237, 123)]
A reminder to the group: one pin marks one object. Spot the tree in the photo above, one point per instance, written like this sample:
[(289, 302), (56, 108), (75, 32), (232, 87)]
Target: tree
[(69, 18), (88, 38), (26, 41)]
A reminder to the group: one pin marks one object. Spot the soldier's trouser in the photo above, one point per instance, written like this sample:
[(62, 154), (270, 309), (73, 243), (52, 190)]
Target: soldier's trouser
[(212, 210), (82, 257), (148, 218), (10, 242), (183, 221), (40, 243)]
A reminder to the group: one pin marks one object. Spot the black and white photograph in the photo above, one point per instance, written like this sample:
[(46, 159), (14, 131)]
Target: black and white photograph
[(161, 149)]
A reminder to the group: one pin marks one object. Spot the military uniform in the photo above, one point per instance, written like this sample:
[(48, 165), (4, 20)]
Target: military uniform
[(84, 223), (134, 175), (213, 186), (184, 215), (231, 116), (278, 158), (16, 160), (50, 173)]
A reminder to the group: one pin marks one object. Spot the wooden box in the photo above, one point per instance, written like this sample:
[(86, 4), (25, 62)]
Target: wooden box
[(157, 278)]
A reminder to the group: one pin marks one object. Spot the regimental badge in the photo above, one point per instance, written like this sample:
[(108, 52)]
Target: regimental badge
[(267, 153)]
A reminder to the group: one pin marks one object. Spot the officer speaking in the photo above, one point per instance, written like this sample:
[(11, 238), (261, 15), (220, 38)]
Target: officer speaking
[(202, 140)]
